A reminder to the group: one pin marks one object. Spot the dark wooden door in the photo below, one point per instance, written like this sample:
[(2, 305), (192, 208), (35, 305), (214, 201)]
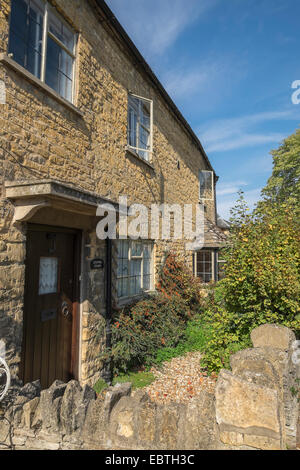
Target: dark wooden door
[(50, 306)]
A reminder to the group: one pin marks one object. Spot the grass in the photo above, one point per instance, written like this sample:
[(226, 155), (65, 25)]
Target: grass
[(197, 334), (138, 380)]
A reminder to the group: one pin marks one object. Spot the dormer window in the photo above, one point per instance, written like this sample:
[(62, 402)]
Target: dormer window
[(140, 111)]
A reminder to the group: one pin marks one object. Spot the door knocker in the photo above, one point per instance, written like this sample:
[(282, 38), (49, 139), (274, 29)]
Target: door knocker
[(65, 309)]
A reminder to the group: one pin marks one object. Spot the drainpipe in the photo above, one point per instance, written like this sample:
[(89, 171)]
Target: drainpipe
[(107, 373)]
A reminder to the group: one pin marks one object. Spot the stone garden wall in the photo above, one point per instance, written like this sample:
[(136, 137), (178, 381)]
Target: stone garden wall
[(254, 407)]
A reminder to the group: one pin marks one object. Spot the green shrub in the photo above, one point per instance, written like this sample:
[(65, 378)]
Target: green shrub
[(175, 278), (140, 330), (158, 322), (227, 336), (262, 280)]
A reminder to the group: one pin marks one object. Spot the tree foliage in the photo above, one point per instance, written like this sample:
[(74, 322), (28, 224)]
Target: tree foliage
[(284, 183), (262, 278)]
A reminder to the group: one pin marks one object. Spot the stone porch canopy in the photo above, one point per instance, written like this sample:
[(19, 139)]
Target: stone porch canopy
[(29, 197)]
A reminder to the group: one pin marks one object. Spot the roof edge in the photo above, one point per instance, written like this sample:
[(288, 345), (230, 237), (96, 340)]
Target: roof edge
[(116, 25)]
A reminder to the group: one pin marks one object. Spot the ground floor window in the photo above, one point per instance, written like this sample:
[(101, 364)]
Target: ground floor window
[(135, 267), (205, 265)]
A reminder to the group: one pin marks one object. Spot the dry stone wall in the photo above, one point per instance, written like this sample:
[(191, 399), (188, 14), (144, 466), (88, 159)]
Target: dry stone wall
[(253, 408)]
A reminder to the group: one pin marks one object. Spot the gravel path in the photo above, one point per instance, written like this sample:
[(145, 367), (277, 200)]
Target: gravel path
[(180, 380)]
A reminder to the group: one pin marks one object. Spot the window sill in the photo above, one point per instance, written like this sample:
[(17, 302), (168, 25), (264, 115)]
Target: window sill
[(128, 300), (8, 61), (132, 152)]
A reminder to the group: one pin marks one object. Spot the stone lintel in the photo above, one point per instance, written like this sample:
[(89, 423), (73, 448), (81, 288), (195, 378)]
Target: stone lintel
[(30, 196)]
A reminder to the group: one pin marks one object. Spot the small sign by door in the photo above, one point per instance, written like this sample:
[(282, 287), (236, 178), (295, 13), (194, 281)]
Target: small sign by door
[(97, 263)]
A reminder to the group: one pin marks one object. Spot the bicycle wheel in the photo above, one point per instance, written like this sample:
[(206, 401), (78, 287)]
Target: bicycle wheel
[(4, 378)]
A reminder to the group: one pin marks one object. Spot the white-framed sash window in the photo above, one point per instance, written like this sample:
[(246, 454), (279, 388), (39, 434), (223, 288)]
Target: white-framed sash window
[(135, 267), (140, 124), (44, 44)]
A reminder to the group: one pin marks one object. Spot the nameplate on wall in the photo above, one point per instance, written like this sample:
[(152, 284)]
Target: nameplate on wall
[(97, 264)]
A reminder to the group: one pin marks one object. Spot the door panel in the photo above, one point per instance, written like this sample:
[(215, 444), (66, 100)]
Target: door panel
[(50, 296)]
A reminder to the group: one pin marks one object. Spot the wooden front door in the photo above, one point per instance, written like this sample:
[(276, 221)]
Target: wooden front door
[(50, 310)]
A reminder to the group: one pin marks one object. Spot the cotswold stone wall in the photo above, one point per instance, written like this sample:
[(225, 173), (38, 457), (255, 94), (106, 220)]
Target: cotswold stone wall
[(257, 402), (41, 138), (253, 408)]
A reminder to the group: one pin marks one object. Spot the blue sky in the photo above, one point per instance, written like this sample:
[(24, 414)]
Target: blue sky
[(229, 66)]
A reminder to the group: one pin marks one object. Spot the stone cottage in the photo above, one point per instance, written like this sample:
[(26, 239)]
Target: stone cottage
[(83, 121)]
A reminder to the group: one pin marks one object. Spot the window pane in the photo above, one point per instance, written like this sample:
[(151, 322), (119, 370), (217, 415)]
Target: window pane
[(147, 266), (136, 249), (139, 126), (123, 268), (135, 280), (18, 48), (26, 33), (144, 138), (61, 32), (52, 64), (206, 184), (66, 65), (18, 21), (147, 250), (136, 267), (145, 115), (34, 60), (147, 282), (125, 249), (48, 276), (132, 286), (204, 265), (59, 70), (132, 128), (208, 267), (65, 86), (119, 287)]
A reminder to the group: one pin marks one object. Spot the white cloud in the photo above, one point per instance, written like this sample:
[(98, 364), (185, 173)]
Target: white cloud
[(183, 82), (179, 83), (155, 25), (230, 188), (245, 140), (234, 133)]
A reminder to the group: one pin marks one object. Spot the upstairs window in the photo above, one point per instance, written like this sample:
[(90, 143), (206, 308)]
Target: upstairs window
[(206, 185), (42, 43), (140, 126)]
